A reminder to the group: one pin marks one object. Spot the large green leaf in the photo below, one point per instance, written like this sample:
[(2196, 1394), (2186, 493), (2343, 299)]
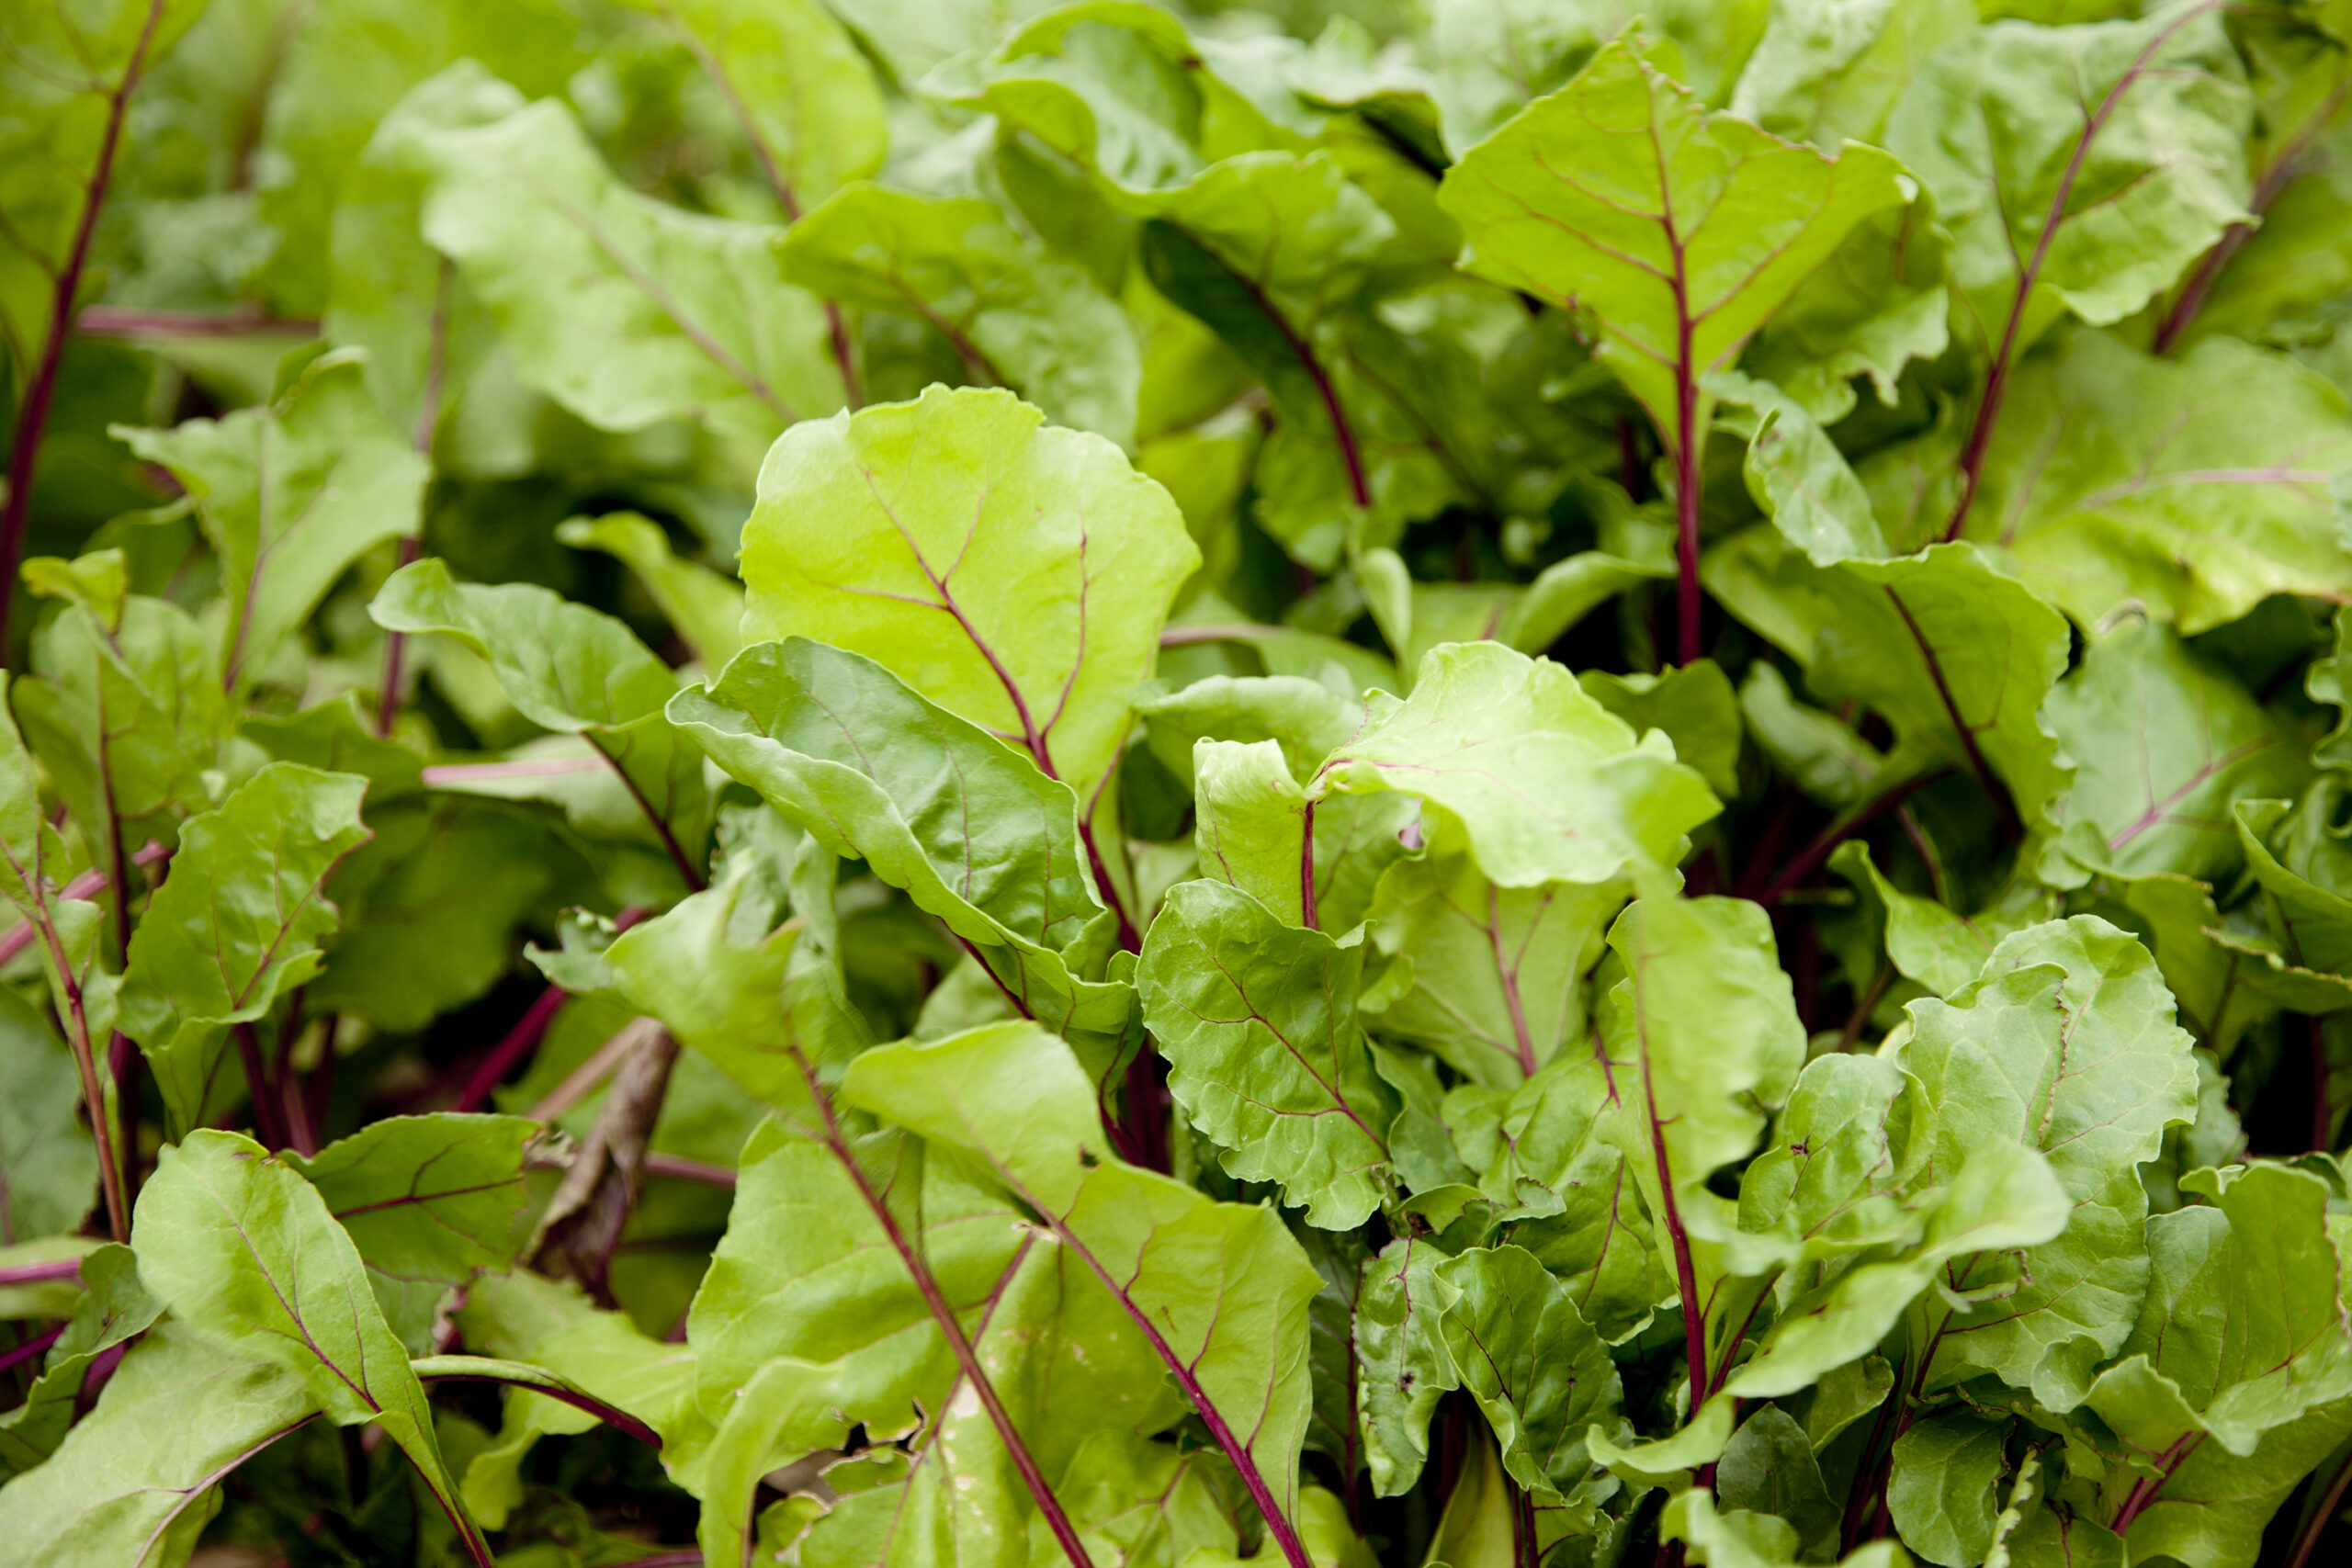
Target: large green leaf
[(138, 1479), (240, 921), (624, 309), (232, 1239), (2191, 489), (795, 86), (2079, 169), (1015, 573), (1220, 1291), (290, 497), (61, 69), (1956, 656), (2163, 747), (1678, 231)]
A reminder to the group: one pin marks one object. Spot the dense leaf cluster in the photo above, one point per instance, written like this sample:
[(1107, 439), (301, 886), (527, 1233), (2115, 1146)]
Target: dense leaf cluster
[(856, 783)]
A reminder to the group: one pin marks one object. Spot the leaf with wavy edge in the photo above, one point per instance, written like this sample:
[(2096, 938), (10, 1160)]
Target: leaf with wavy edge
[(1265, 1052), (1549, 785), (1542, 1377), (2065, 1044)]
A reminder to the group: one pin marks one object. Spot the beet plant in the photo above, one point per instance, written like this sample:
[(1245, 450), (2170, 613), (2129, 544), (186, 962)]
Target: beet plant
[(1399, 782)]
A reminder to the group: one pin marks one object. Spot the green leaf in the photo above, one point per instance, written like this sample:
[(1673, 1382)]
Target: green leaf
[(1941, 1491), (626, 310), (2244, 1329), (1015, 573), (1956, 656), (705, 607), (1679, 232), (2192, 489), (428, 1200), (290, 497), (1769, 1468), (554, 1326), (2083, 166), (970, 827), (1692, 704), (1821, 754), (795, 86), (2065, 1044), (1549, 785), (1265, 1052), (579, 672), (48, 1165), (234, 1240), (1701, 1036), (388, 293), (1938, 947), (1541, 1376), (137, 1479), (63, 68), (1403, 1364), (240, 921), (2165, 747), (1220, 1290), (1829, 72), (1017, 316), (1498, 973)]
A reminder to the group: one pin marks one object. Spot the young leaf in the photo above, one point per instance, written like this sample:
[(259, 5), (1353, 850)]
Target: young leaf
[(975, 833), (1542, 1377), (1548, 785), (240, 921), (705, 607), (290, 497), (2067, 1044), (1014, 573)]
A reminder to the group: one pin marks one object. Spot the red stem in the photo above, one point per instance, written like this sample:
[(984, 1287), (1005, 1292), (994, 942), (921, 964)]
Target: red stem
[(32, 414), (2275, 179), (518, 1044), (2322, 1515), (114, 321), (33, 1348), (1809, 859), (42, 1273), (269, 1116), (1359, 488), (612, 1415), (2171, 1459), (1509, 978), (1306, 871), (1980, 437)]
